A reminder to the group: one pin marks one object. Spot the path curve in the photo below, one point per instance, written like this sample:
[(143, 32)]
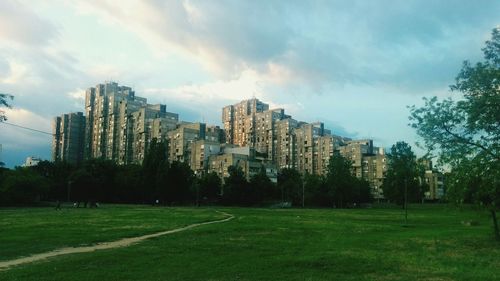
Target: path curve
[(105, 245)]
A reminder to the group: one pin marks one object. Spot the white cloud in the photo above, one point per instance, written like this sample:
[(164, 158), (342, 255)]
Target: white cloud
[(13, 137), (77, 94), (21, 25), (16, 74)]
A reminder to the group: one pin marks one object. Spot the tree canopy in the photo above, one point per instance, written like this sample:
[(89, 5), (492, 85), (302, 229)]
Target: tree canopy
[(4, 102), (464, 131), (402, 172)]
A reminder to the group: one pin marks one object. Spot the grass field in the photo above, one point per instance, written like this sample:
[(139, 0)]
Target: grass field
[(259, 244)]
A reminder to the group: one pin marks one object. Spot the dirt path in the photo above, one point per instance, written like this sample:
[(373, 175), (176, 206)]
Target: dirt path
[(102, 246)]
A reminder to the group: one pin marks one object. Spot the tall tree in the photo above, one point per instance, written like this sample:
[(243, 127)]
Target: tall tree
[(316, 191), (401, 183), (465, 132), (209, 187), (180, 181), (290, 185), (155, 171), (235, 187), (21, 186), (4, 102), (261, 187), (340, 180)]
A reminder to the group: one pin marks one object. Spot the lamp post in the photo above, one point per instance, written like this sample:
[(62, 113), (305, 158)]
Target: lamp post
[(303, 193), (406, 200), (69, 190)]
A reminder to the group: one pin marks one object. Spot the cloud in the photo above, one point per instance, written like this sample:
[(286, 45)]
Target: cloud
[(319, 43), (18, 143), (16, 138), (21, 25), (13, 72)]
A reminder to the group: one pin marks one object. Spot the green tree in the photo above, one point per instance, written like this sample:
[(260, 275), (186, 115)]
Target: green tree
[(155, 171), (290, 185), (401, 182), (4, 102), (363, 191), (180, 183), (465, 132), (340, 181), (235, 186), (58, 175), (261, 187), (128, 184), (316, 191), (210, 186), (22, 186)]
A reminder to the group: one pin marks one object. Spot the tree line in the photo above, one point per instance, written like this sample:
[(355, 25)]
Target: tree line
[(158, 181)]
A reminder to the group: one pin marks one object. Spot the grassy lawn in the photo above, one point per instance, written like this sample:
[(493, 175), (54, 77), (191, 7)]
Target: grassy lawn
[(34, 230), (273, 244)]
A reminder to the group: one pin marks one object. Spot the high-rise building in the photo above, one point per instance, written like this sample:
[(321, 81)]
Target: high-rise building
[(277, 138), (239, 121), (433, 179), (368, 162), (306, 138), (285, 143), (121, 125), (68, 138)]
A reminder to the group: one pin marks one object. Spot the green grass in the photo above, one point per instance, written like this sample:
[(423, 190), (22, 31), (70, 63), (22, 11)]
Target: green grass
[(36, 230), (275, 244)]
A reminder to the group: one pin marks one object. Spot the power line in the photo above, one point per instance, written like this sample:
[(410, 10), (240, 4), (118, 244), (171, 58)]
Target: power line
[(26, 128)]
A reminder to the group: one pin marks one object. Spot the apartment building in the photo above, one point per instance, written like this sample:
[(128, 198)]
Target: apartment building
[(68, 138), (368, 162), (264, 139), (306, 147), (374, 169), (180, 139), (200, 151), (279, 139), (242, 157), (433, 179), (285, 143), (120, 125), (239, 121)]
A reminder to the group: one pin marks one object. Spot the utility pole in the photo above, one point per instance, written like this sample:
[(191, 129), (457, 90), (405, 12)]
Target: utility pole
[(303, 193), (69, 190), (406, 200)]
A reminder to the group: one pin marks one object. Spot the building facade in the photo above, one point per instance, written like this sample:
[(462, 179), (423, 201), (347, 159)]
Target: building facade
[(68, 138), (120, 125)]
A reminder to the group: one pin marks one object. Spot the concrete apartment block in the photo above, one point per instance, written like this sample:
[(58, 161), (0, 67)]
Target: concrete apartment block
[(201, 150), (306, 138), (68, 138), (120, 125), (285, 143), (239, 119)]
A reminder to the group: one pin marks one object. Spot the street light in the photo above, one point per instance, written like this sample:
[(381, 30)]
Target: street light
[(406, 200)]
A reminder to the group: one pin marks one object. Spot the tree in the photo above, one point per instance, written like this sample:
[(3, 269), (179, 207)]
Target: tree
[(210, 187), (180, 182), (128, 184), (21, 186), (3, 102), (340, 181), (58, 175), (235, 186), (290, 185), (155, 170), (261, 187), (363, 191), (316, 191), (465, 132), (401, 183)]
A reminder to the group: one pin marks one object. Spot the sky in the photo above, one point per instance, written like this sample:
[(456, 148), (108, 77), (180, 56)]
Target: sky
[(354, 65)]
